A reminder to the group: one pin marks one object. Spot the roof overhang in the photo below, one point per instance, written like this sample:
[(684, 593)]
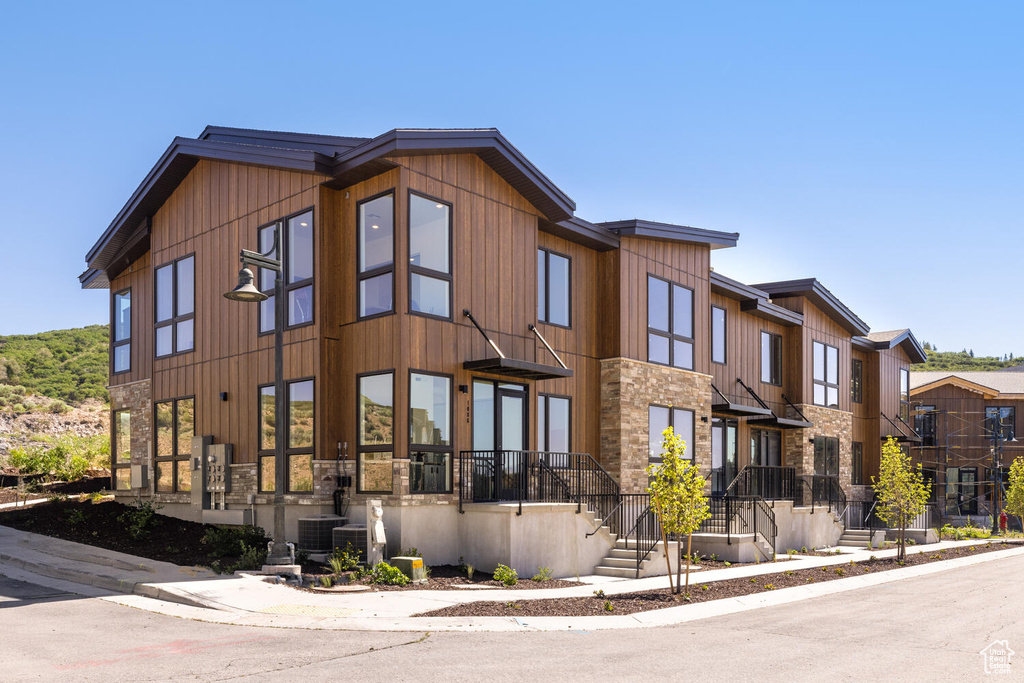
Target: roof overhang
[(953, 380), (817, 294), (906, 341), (516, 369), (754, 301), (675, 233), (582, 232)]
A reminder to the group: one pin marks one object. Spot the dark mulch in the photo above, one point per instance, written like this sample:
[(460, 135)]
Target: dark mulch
[(448, 576), (11, 495), (628, 603), (169, 540)]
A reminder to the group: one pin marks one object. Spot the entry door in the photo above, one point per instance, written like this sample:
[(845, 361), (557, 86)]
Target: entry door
[(723, 454), (969, 490), (499, 427)]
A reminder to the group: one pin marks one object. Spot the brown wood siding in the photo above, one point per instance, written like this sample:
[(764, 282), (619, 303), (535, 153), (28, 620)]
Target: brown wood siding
[(821, 328), (139, 277)]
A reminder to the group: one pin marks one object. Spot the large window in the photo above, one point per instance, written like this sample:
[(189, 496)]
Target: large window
[(376, 257), (1000, 422), (430, 263), (718, 334), (765, 447), (554, 291), (771, 358), (924, 424), (660, 418), (298, 439), (430, 423), (553, 419), (175, 307), (858, 463), (904, 394), (297, 270), (826, 456), (376, 445), (857, 381), (826, 375), (174, 426), (121, 457), (121, 332), (669, 323)]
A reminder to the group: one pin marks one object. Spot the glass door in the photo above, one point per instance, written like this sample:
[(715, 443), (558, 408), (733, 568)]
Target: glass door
[(499, 439), (723, 454)]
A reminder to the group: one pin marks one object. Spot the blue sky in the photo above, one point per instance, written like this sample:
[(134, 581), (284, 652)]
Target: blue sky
[(875, 146)]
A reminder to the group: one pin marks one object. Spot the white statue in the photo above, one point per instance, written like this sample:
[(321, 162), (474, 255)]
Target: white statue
[(376, 539)]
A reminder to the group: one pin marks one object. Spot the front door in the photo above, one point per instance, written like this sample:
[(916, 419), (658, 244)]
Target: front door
[(499, 429), (723, 454)]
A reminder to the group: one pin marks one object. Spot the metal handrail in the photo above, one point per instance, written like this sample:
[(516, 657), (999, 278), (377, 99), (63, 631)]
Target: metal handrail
[(647, 518)]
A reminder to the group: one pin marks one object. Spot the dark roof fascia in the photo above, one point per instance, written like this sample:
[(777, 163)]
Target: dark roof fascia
[(769, 311), (822, 298), (863, 343), (668, 231), (582, 232), (172, 167), (93, 278), (734, 289), (329, 145), (906, 340), (488, 144)]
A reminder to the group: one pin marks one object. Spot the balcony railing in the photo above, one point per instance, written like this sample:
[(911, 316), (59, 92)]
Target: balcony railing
[(767, 482)]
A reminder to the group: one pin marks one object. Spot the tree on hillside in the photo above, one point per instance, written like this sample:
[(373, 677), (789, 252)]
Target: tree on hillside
[(677, 497), (901, 490), (1015, 492)]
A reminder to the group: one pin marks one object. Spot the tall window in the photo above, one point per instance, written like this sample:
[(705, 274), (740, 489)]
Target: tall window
[(121, 332), (297, 264), (826, 455), (553, 288), (669, 323), (858, 463), (376, 433), (376, 277), (924, 424), (1000, 422), (904, 394), (771, 358), (826, 375), (175, 307), (121, 457), (430, 443), (553, 423), (430, 266), (857, 381), (765, 447), (174, 427), (718, 332), (298, 439), (660, 418)]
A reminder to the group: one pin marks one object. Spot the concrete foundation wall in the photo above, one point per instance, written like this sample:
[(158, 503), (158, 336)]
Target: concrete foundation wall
[(799, 528)]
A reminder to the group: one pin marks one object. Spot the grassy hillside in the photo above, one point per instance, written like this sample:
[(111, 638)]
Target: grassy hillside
[(963, 361), (69, 365)]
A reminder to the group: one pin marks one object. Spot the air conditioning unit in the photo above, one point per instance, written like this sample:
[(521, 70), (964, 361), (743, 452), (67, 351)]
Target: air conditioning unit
[(315, 532), (351, 533)]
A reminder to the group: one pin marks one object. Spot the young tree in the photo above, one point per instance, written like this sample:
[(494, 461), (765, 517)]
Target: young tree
[(901, 490), (677, 496), (1015, 491)]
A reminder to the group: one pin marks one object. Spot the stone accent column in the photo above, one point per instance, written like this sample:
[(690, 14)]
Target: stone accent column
[(799, 448), (136, 397), (628, 388)]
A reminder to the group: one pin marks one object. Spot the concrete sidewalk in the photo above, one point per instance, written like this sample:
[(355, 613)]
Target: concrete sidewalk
[(197, 593)]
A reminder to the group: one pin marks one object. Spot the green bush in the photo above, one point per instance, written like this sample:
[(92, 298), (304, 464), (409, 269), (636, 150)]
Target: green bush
[(139, 519), (234, 541), (345, 560), (385, 575), (506, 575), (543, 574)]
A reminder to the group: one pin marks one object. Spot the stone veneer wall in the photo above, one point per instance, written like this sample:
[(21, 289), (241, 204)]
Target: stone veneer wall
[(135, 397), (799, 450), (628, 388)]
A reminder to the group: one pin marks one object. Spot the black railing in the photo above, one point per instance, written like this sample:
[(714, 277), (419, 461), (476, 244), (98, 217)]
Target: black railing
[(767, 482), (741, 515), (644, 534), (823, 489), (536, 476)]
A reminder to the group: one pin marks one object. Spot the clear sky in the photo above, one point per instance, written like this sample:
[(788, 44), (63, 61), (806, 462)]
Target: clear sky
[(876, 146)]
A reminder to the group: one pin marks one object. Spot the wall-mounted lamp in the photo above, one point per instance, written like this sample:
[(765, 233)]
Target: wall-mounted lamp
[(463, 388), (223, 395), (703, 418)]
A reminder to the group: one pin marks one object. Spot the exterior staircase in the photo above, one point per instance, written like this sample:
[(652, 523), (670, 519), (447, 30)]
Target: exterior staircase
[(855, 538), (621, 560)]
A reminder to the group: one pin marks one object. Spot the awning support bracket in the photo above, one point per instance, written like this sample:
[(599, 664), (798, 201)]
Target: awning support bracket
[(494, 346), (533, 328)]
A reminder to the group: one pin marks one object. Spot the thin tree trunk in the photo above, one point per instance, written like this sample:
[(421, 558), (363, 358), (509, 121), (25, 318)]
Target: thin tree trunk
[(668, 560), (679, 563), (689, 540)]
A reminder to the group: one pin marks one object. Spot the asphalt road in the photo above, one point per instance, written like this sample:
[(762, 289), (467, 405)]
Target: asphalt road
[(929, 628)]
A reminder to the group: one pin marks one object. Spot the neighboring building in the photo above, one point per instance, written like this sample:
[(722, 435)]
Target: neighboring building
[(968, 426), (395, 248)]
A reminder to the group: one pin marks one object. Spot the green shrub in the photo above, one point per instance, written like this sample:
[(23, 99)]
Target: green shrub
[(344, 560), (506, 575), (139, 519), (234, 541), (543, 574), (386, 575)]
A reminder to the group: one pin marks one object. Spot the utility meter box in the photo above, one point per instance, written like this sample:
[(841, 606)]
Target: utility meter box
[(218, 472), (411, 567)]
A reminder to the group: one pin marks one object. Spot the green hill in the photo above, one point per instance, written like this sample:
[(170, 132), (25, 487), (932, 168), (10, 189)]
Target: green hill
[(964, 361), (70, 365)]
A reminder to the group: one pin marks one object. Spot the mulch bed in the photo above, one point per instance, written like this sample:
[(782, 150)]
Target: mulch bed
[(170, 540), (447, 576), (628, 603), (11, 495)]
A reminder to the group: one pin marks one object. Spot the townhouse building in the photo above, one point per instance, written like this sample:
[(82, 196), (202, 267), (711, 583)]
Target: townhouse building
[(461, 346)]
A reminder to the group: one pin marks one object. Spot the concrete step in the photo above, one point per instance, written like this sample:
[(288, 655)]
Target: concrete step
[(851, 543), (866, 533), (623, 553), (620, 572), (623, 562)]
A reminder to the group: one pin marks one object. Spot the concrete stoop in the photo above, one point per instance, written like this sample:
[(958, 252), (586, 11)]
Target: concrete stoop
[(621, 560)]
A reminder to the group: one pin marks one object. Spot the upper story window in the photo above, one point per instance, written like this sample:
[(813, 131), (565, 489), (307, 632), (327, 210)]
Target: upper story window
[(857, 381), (718, 334), (297, 270), (430, 442), (904, 394), (660, 418), (175, 425), (121, 332), (376, 257), (430, 263), (553, 288), (857, 469), (298, 437), (175, 307), (771, 358), (924, 424), (826, 375), (553, 423), (1000, 422), (375, 450), (669, 323)]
